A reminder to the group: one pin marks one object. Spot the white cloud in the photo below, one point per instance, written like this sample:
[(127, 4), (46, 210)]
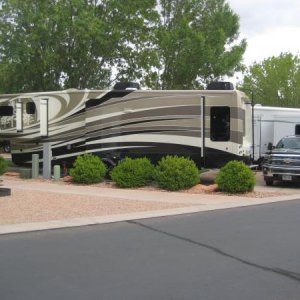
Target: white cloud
[(260, 15), (272, 42), (269, 26)]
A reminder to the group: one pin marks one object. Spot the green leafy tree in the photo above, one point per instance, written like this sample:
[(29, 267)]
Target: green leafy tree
[(169, 44), (275, 81), (197, 43), (54, 44)]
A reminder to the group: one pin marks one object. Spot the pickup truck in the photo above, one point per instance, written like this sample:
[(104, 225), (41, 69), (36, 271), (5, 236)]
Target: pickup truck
[(282, 162)]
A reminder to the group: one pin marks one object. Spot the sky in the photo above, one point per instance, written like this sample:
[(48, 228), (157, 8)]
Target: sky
[(269, 26)]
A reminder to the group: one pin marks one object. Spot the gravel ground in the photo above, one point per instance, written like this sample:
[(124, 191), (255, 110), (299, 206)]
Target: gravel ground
[(25, 206), (36, 206), (28, 205)]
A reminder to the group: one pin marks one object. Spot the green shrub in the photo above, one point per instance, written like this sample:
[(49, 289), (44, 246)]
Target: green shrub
[(3, 165), (132, 172), (235, 177), (88, 169), (176, 173)]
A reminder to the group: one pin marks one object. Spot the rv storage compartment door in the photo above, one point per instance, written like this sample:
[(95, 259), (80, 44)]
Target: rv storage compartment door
[(44, 117)]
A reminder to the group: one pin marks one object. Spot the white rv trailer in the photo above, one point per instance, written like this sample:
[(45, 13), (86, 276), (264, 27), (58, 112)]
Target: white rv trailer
[(271, 124), (209, 126)]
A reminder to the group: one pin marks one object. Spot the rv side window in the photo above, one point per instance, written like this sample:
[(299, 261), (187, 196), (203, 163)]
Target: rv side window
[(297, 129), (30, 108), (6, 111), (220, 123)]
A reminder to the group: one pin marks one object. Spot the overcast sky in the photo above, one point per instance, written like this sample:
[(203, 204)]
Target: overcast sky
[(269, 26)]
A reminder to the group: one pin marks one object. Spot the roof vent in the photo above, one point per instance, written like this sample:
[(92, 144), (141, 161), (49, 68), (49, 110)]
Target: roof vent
[(220, 85), (126, 86)]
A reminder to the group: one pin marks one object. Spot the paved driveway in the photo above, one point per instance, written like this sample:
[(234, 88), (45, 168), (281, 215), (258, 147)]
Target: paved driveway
[(242, 253)]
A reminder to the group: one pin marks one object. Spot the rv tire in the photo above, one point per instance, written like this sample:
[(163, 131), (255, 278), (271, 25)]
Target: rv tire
[(6, 148), (269, 182)]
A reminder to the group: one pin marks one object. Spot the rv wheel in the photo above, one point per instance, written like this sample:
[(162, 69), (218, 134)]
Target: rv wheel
[(269, 182), (6, 148)]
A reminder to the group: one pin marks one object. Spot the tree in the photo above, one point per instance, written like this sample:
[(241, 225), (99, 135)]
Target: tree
[(55, 44), (169, 44), (197, 43), (275, 81)]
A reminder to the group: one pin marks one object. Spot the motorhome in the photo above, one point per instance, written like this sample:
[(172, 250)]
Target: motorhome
[(209, 126)]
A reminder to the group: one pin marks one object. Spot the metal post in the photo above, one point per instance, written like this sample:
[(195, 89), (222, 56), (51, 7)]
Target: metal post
[(35, 166), (47, 156), (252, 104)]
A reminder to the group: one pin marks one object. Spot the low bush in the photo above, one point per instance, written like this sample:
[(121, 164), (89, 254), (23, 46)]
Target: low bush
[(176, 173), (235, 177), (131, 173), (88, 169), (3, 165)]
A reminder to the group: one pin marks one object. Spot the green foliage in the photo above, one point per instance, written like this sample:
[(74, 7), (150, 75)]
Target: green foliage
[(88, 169), (51, 45), (3, 165), (235, 177), (132, 172), (197, 42), (176, 173), (275, 81)]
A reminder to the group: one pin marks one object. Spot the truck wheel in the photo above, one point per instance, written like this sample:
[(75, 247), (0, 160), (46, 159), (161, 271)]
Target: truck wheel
[(269, 182)]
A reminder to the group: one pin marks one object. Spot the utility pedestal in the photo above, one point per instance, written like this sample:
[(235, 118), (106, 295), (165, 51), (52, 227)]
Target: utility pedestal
[(47, 157)]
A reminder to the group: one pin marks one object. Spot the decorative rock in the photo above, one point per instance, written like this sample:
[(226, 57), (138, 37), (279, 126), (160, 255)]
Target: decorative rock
[(12, 174), (68, 179)]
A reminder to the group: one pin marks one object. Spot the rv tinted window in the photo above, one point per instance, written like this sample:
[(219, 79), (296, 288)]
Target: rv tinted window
[(30, 108), (220, 123), (297, 129), (6, 111)]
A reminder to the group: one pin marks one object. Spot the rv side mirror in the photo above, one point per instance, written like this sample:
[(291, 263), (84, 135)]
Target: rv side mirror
[(270, 146)]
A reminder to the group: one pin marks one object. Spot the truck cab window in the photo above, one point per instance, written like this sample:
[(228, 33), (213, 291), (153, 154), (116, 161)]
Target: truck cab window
[(220, 123)]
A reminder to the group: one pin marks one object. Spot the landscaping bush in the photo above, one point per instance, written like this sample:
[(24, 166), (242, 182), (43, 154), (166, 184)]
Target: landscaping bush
[(131, 173), (235, 177), (3, 165), (88, 169), (176, 173)]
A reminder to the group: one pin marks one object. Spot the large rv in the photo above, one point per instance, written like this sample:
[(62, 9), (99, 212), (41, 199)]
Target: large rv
[(209, 126), (271, 124)]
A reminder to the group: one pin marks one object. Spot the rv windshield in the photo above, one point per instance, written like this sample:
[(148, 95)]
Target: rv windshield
[(289, 143)]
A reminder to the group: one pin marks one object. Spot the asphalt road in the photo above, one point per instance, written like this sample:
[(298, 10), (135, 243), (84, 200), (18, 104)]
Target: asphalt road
[(244, 253)]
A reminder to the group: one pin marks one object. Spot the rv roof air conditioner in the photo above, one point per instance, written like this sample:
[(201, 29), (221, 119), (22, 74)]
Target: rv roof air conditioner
[(220, 85), (126, 86)]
